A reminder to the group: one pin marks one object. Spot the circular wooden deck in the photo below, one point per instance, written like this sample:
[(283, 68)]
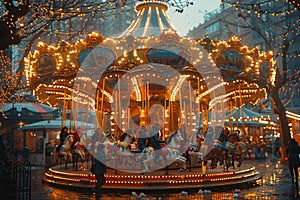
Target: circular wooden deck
[(158, 180)]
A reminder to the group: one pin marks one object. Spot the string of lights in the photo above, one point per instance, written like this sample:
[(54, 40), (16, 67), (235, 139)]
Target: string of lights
[(10, 81), (272, 7), (27, 18)]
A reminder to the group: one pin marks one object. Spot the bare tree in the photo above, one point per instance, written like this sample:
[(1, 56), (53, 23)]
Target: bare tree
[(276, 24)]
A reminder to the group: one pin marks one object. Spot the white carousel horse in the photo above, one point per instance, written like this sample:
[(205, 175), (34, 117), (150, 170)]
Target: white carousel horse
[(122, 148), (64, 150), (195, 142), (169, 153), (147, 157), (79, 151), (175, 143), (109, 141)]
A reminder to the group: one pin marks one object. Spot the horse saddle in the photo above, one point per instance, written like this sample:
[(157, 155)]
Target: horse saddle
[(230, 146), (81, 146), (218, 144)]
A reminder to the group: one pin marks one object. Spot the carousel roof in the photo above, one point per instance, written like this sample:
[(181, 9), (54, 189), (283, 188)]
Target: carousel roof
[(150, 59), (151, 19)]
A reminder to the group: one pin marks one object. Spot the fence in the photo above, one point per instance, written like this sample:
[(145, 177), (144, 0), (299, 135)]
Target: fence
[(15, 179)]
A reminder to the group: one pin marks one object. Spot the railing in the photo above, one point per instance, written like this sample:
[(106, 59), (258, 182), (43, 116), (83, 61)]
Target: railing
[(15, 179)]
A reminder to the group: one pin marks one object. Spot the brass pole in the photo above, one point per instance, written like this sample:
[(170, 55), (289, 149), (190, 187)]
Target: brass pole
[(242, 112), (64, 111)]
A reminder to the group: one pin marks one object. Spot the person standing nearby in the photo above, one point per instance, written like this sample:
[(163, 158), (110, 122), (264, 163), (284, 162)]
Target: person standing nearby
[(99, 169), (26, 152), (277, 147), (293, 152)]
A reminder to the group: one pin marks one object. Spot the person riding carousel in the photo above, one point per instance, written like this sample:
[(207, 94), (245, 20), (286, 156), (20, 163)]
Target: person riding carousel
[(97, 137), (77, 134), (155, 140), (62, 137), (143, 138), (223, 138)]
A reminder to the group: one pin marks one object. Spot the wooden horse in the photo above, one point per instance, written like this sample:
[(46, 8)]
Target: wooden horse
[(63, 152), (122, 149), (212, 149), (147, 157), (109, 141), (195, 142), (79, 152), (237, 150), (170, 153), (175, 145)]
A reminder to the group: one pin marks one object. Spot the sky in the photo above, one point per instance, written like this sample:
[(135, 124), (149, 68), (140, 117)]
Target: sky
[(192, 15)]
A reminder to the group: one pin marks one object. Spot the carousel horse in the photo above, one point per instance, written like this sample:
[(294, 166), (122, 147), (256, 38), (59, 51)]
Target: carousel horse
[(176, 147), (147, 157), (63, 152), (195, 142), (79, 151), (193, 153), (213, 149), (170, 153), (122, 148), (236, 149), (109, 142)]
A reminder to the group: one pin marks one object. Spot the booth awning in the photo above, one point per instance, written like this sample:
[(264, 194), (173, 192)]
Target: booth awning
[(57, 124), (32, 107), (28, 112), (246, 113)]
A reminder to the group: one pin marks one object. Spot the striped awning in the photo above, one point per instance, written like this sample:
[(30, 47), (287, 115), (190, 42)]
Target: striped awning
[(32, 107)]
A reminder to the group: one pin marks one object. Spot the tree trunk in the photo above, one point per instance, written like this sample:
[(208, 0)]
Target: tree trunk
[(284, 129)]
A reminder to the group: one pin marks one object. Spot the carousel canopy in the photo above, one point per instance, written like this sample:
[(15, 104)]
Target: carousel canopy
[(151, 20), (148, 64)]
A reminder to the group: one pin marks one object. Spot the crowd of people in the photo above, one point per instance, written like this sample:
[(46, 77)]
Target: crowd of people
[(264, 148)]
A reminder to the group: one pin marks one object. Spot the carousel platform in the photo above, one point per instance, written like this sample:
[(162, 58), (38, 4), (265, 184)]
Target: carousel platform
[(171, 178)]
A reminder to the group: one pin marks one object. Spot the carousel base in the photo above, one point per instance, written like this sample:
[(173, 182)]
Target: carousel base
[(160, 179)]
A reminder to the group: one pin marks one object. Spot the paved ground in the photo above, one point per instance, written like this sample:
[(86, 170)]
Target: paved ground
[(275, 184)]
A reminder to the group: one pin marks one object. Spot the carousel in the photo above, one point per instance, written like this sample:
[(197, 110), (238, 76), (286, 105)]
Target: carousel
[(150, 80)]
